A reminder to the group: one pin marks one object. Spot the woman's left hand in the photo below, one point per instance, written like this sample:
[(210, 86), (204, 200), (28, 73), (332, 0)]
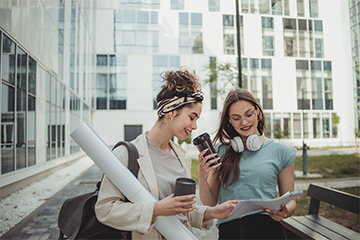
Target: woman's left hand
[(278, 215), (220, 211)]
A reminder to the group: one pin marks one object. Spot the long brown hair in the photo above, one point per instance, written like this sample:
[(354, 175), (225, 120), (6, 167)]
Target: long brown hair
[(225, 132)]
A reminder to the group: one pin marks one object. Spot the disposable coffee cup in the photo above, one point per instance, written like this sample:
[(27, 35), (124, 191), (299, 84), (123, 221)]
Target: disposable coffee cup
[(185, 186), (203, 142)]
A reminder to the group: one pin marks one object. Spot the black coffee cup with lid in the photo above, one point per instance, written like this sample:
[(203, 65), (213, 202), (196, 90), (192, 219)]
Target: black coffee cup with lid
[(185, 186), (203, 142)]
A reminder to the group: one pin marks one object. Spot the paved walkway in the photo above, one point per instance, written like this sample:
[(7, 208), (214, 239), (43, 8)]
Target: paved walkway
[(43, 225)]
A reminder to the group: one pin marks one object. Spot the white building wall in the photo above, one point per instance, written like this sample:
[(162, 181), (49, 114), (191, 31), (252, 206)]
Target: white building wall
[(336, 35)]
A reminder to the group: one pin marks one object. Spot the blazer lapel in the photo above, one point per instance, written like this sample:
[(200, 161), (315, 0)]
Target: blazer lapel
[(146, 166)]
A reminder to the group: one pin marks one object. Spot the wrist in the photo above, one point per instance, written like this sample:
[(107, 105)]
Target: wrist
[(209, 213)]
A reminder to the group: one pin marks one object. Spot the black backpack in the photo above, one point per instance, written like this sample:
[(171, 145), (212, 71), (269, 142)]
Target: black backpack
[(77, 218)]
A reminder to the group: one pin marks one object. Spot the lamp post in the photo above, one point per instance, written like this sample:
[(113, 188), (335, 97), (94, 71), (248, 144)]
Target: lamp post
[(238, 40), (305, 148)]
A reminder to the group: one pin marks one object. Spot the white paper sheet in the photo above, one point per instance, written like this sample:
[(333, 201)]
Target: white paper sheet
[(247, 206), (170, 227)]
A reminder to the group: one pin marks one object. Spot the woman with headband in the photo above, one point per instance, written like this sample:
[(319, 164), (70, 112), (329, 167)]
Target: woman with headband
[(161, 162)]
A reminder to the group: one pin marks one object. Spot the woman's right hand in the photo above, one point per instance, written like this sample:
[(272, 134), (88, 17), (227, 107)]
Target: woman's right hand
[(204, 166), (172, 205)]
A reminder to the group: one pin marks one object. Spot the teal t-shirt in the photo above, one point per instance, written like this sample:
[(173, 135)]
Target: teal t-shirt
[(258, 174)]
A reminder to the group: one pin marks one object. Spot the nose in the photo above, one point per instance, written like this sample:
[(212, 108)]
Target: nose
[(243, 120), (194, 126)]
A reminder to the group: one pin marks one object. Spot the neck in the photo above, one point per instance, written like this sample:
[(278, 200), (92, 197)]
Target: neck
[(159, 136)]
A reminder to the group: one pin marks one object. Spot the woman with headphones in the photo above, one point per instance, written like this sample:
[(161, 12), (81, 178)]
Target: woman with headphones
[(251, 167)]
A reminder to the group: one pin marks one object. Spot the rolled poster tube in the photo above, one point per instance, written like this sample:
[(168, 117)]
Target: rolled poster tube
[(169, 226)]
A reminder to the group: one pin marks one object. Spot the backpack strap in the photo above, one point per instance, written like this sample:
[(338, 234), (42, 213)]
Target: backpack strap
[(133, 164), (133, 155)]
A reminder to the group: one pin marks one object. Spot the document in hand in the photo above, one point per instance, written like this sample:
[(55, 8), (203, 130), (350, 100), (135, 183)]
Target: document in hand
[(246, 206)]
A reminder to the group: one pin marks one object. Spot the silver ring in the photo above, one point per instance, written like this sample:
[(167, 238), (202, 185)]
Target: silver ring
[(227, 205)]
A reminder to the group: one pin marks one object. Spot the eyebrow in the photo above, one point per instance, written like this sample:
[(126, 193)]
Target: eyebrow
[(244, 113), (196, 115)]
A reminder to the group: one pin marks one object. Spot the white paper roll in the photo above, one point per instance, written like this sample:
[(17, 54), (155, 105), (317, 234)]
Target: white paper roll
[(170, 227)]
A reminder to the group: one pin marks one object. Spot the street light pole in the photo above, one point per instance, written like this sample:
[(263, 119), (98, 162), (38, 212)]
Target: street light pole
[(305, 148), (238, 40)]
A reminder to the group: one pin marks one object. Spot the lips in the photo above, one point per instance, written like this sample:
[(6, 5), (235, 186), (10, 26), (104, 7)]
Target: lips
[(246, 128)]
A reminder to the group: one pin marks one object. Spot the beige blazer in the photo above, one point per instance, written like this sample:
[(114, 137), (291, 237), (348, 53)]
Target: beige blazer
[(111, 209)]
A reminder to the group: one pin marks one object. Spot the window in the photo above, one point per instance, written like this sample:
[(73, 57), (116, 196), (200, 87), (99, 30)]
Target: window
[(139, 4), (326, 126), (132, 131), (328, 89), (316, 125), (177, 4), (319, 51), (268, 36), (314, 8), (318, 26), (317, 93), (264, 6), (245, 6), (267, 92), (276, 7), (228, 20), (303, 88), (190, 36), (111, 82), (297, 125), (267, 22), (228, 36), (18, 85), (117, 81), (136, 31), (286, 125), (300, 8), (229, 44), (290, 37), (214, 5), (268, 45), (162, 63)]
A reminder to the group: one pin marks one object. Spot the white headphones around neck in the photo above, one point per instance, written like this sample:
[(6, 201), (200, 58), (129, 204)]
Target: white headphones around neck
[(253, 143)]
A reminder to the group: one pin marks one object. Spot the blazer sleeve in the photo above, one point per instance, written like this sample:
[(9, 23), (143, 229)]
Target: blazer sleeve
[(112, 210), (197, 218)]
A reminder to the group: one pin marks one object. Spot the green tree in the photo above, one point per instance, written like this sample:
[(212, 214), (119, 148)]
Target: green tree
[(278, 134), (335, 122), (222, 77)]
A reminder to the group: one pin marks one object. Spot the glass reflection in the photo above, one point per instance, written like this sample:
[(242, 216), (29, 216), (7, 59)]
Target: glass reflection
[(8, 60), (21, 68), (7, 129), (31, 130), (20, 141)]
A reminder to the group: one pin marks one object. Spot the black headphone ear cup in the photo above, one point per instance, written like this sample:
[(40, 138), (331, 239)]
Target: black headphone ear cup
[(237, 144)]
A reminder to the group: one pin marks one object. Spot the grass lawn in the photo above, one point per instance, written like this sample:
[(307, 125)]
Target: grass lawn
[(332, 166)]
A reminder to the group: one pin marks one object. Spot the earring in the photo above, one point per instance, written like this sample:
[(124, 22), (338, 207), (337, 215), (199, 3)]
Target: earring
[(170, 119)]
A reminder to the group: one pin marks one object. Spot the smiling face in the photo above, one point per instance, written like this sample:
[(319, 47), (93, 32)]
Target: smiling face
[(243, 118), (184, 121)]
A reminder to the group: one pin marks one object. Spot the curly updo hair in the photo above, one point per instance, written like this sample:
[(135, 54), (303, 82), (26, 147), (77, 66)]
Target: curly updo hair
[(179, 81)]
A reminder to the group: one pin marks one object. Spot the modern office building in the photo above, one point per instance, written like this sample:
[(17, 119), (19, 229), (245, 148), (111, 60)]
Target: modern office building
[(68, 61)]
